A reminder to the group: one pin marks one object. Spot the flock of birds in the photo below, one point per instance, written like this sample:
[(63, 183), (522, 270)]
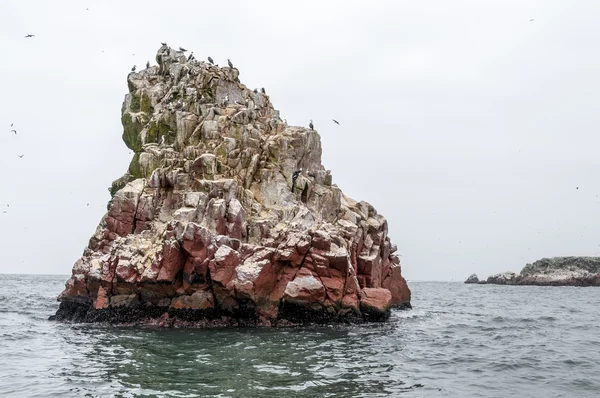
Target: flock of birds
[(212, 62), (190, 58)]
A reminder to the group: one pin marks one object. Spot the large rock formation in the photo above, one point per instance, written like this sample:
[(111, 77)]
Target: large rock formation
[(212, 226), (556, 271)]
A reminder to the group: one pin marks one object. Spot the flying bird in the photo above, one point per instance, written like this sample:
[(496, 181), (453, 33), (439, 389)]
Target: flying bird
[(335, 121), (211, 61), (147, 64), (133, 69), (30, 35), (182, 49), (88, 204), (576, 187), (13, 131), (11, 124), (20, 156), (229, 63), (311, 125), (532, 19)]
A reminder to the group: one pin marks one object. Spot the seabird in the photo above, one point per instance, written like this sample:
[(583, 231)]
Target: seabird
[(88, 204), (20, 156), (133, 69), (335, 121), (182, 49), (164, 44), (255, 91), (262, 90), (162, 140), (147, 64), (532, 19), (11, 124), (211, 61), (294, 177), (29, 36), (229, 63), (311, 125), (14, 131), (191, 56), (576, 187)]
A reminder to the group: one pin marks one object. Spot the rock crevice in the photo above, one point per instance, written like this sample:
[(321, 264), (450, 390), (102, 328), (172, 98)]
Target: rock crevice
[(226, 216)]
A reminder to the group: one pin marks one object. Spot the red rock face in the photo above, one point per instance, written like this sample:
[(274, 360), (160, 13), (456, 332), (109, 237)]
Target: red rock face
[(213, 231)]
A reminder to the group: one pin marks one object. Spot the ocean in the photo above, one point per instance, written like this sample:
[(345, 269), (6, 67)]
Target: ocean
[(458, 341)]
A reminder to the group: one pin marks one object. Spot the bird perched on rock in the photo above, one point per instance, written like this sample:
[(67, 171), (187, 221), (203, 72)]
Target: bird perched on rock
[(262, 90), (147, 64), (30, 35), (182, 49), (255, 91), (311, 125), (162, 140), (164, 44), (133, 69), (191, 57), (211, 61), (229, 63), (336, 122), (294, 177)]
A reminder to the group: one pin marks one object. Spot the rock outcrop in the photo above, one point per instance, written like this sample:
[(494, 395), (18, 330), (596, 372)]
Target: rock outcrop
[(503, 278), (556, 271), (227, 217), (472, 279)]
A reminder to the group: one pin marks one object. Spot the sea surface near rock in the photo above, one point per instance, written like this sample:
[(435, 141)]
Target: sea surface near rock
[(470, 341), (226, 217), (556, 271)]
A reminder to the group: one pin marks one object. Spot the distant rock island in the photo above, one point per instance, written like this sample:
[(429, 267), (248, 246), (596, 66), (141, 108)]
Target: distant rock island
[(226, 217), (556, 271)]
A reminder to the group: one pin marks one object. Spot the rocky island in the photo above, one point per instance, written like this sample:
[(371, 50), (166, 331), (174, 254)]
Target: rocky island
[(556, 271), (226, 217)]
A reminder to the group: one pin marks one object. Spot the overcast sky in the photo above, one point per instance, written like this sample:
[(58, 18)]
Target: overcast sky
[(463, 122)]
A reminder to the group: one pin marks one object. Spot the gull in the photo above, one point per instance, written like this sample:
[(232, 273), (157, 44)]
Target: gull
[(311, 125), (532, 19), (182, 49), (335, 121), (211, 61), (13, 131), (229, 63), (133, 69), (20, 156), (29, 35)]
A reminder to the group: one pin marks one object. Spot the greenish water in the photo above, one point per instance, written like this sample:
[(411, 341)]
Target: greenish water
[(460, 340)]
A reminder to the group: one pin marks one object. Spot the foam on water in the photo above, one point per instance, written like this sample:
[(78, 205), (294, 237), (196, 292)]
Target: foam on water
[(460, 340)]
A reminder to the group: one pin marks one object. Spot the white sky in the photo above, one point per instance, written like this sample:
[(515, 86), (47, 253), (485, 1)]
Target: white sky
[(466, 125)]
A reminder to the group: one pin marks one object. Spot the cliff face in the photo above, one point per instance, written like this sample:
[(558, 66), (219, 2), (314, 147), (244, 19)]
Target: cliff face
[(227, 217), (556, 271)]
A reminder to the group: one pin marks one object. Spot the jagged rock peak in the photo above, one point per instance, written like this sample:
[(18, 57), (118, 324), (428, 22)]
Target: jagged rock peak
[(226, 216)]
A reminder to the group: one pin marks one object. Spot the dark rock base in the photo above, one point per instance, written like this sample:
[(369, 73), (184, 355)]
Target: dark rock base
[(150, 315)]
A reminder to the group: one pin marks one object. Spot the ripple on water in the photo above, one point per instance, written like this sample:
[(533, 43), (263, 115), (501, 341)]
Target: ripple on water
[(470, 341)]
